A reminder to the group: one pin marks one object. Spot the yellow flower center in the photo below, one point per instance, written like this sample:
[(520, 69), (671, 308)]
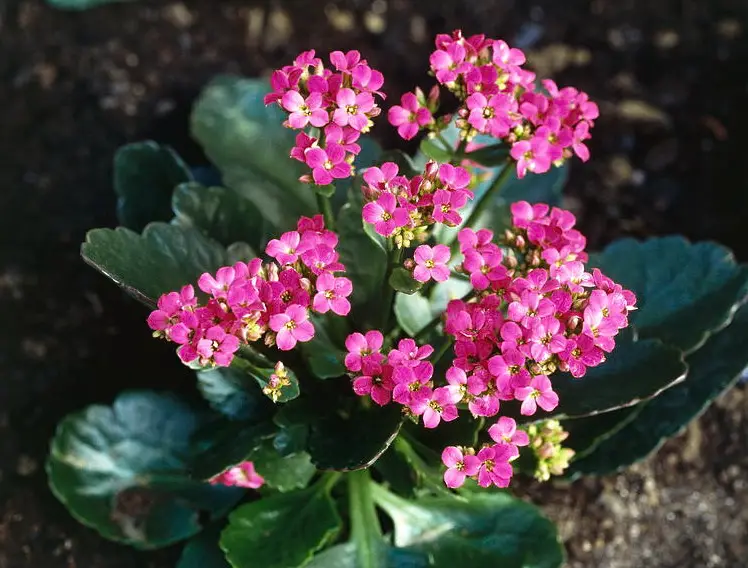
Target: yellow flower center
[(351, 109)]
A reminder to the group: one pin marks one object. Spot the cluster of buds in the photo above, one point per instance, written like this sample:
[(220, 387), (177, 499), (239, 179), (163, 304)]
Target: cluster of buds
[(545, 440), (338, 104), (250, 301), (241, 475), (499, 98), (404, 208)]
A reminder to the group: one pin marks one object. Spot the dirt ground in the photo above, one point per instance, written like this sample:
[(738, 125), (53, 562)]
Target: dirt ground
[(668, 156)]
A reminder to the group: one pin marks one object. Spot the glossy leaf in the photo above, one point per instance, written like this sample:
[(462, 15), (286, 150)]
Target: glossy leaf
[(123, 470), (203, 551), (162, 259), (412, 311), (402, 280), (248, 143), (322, 355), (219, 213), (233, 393), (587, 433), (282, 472), (433, 149), (684, 291), (713, 368), (280, 531), (482, 529), (491, 156), (354, 439), (145, 175)]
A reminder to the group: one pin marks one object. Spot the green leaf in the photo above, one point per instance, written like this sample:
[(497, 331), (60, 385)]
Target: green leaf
[(587, 433), (219, 213), (164, 258), (123, 470), (233, 393), (490, 156), (81, 4), (145, 175), (634, 371), (281, 531), (484, 529), (293, 435), (239, 252), (713, 368), (402, 280), (247, 142), (413, 312), (362, 254), (203, 551), (352, 438), (282, 472), (324, 358), (433, 149), (684, 291)]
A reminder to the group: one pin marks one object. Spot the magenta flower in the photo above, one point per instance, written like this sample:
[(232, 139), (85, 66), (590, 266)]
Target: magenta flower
[(546, 338), (454, 177), (331, 294), (531, 156), (441, 406), (539, 393), (504, 56), (345, 61), (448, 63), (284, 249), (305, 111), (385, 215), (291, 326), (327, 164), (242, 475), (169, 307), (505, 431), (375, 382), (360, 346), (218, 286), (509, 369), (491, 114), (352, 109), (409, 353), (431, 263), (446, 205), (495, 468), (380, 179), (409, 117), (483, 268), (411, 384), (217, 346), (459, 466), (581, 352)]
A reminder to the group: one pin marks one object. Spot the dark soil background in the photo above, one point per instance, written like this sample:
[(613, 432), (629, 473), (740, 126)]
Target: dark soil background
[(669, 155)]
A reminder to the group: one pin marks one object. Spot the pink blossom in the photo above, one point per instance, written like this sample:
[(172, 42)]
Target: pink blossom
[(345, 61), (459, 466), (376, 382), (332, 293), (284, 249), (448, 63), (504, 56), (491, 114), (327, 164), (169, 308), (217, 347), (352, 109), (381, 178), (385, 215), (409, 117), (441, 406), (581, 352), (431, 263), (538, 393), (455, 178), (483, 268), (291, 326), (409, 353), (242, 475), (446, 205), (219, 285), (505, 430), (345, 136), (531, 156), (412, 384), (359, 346), (305, 111), (495, 468)]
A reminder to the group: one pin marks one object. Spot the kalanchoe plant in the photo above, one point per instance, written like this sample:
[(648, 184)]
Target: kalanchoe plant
[(380, 339)]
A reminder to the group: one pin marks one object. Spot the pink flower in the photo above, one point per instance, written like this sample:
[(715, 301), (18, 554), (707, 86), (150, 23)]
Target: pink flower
[(291, 326), (491, 115), (483, 268), (332, 293), (242, 475), (218, 286), (495, 468), (539, 393), (217, 346), (431, 263), (454, 177), (380, 179), (459, 466), (352, 109), (284, 249), (581, 352), (327, 164), (446, 205), (504, 56), (441, 406), (169, 307), (385, 215), (409, 353), (359, 346), (305, 111), (345, 61), (375, 382), (448, 63), (505, 430), (410, 117), (412, 384), (531, 156)]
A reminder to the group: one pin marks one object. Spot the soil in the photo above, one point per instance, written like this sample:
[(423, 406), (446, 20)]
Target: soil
[(668, 156)]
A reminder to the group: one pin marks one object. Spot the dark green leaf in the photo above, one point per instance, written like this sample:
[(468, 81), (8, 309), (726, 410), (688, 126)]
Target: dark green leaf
[(713, 368), (324, 358), (123, 470), (145, 175), (233, 393), (587, 433), (293, 434), (164, 258), (364, 256), (413, 312), (484, 529), (684, 291), (402, 281), (81, 4), (239, 252), (220, 213), (354, 439), (282, 472), (490, 156), (280, 531), (433, 149), (247, 142), (203, 551)]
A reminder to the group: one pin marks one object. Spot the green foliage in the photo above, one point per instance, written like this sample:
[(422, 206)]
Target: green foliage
[(203, 551), (81, 4), (412, 311), (402, 280), (124, 471), (164, 258), (233, 393)]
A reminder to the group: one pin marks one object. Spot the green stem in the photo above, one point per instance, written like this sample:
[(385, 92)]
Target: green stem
[(328, 480), (324, 206), (388, 292), (366, 532), (484, 201), (422, 469)]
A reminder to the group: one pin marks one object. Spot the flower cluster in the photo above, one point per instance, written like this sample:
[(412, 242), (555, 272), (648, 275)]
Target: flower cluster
[(241, 475), (545, 442), (339, 104), (500, 99), (404, 208), (249, 301)]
